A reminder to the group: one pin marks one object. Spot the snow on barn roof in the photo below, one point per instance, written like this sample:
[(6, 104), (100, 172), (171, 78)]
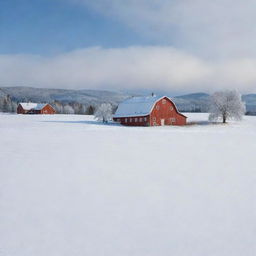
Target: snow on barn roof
[(137, 106), (31, 105)]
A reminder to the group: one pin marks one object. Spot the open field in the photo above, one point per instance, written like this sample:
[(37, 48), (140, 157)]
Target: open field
[(70, 186)]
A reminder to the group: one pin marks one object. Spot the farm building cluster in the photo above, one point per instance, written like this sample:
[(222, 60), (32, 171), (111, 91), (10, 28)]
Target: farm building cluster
[(136, 111)]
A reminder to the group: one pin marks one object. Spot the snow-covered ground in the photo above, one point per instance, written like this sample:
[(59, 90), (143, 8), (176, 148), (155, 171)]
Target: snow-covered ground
[(72, 187)]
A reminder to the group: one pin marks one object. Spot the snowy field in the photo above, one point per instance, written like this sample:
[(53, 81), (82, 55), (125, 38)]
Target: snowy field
[(70, 186)]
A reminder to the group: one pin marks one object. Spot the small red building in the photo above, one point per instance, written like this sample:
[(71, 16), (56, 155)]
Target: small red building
[(35, 108), (148, 111)]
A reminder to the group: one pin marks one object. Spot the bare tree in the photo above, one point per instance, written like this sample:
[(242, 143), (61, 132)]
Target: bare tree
[(104, 112), (226, 105), (90, 110)]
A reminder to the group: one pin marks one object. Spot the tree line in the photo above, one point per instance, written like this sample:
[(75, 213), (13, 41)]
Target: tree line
[(10, 106), (222, 105)]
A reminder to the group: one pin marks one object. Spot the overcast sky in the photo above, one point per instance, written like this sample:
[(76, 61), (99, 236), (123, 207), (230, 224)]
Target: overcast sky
[(163, 45)]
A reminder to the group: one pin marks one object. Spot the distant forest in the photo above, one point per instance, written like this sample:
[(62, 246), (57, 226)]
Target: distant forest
[(9, 106), (86, 102)]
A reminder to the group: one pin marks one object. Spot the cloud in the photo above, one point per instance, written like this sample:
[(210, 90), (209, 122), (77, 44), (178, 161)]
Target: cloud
[(219, 28), (156, 68), (212, 48)]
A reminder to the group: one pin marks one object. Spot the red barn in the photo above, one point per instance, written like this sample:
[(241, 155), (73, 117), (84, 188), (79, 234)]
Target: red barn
[(148, 111), (35, 108)]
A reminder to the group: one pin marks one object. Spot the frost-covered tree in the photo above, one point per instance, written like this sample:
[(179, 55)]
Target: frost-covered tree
[(81, 109), (6, 104), (58, 106), (68, 109), (14, 106), (226, 105), (104, 112)]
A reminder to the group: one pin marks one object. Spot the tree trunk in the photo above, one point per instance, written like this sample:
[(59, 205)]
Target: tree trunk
[(224, 119)]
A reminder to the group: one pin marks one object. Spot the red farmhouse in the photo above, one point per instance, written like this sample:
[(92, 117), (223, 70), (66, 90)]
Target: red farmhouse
[(35, 108), (148, 111)]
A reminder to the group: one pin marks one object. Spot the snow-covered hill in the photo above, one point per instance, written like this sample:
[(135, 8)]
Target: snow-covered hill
[(194, 102), (72, 186), (65, 96)]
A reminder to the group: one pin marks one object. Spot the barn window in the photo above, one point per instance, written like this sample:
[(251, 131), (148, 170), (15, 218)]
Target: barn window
[(171, 108), (157, 107), (136, 119), (125, 120), (163, 101), (145, 119), (154, 123), (130, 120), (140, 119), (173, 120)]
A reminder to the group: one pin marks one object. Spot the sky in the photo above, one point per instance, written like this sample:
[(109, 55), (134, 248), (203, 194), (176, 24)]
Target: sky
[(179, 46)]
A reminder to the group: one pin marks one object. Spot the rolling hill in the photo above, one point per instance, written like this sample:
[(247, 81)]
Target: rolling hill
[(195, 102)]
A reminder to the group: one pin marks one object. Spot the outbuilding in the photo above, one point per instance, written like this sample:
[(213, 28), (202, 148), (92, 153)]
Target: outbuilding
[(149, 111), (35, 108)]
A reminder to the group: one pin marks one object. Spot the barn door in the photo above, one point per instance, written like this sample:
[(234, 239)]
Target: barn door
[(162, 122)]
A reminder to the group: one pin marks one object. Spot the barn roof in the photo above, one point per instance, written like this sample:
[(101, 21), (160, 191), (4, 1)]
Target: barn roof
[(137, 106), (31, 105)]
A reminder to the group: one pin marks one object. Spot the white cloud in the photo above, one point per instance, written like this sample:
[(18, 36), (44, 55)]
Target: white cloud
[(223, 28), (159, 68), (213, 48)]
